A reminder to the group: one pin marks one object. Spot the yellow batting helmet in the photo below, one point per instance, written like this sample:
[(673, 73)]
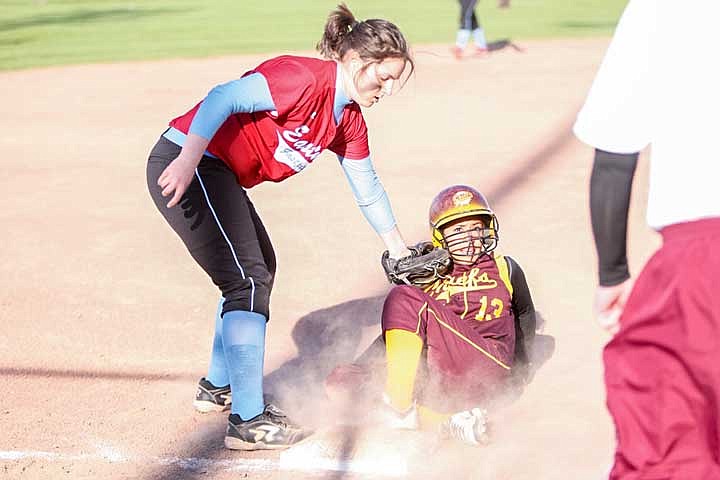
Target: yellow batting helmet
[(455, 202)]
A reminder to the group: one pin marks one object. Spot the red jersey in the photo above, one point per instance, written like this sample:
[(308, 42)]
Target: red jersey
[(274, 145)]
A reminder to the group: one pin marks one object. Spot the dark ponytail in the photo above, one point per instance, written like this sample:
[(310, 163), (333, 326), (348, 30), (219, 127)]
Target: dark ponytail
[(339, 24), (374, 40)]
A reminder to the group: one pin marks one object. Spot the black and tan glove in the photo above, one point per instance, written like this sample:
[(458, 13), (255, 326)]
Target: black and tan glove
[(424, 265)]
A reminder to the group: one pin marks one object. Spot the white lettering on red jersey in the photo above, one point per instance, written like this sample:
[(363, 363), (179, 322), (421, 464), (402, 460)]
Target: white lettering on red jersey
[(272, 146)]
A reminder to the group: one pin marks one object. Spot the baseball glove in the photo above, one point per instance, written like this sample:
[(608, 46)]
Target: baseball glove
[(424, 265)]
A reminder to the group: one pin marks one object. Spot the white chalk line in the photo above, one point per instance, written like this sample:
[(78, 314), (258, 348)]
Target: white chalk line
[(199, 464)]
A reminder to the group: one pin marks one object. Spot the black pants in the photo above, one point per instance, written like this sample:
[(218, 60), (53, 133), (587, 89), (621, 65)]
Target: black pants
[(220, 228), (468, 20)]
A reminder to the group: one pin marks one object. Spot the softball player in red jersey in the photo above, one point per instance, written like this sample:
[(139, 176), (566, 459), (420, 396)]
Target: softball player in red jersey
[(475, 324), (661, 374), (268, 125)]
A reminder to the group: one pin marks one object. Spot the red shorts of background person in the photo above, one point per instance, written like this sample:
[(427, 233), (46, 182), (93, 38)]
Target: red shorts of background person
[(661, 369)]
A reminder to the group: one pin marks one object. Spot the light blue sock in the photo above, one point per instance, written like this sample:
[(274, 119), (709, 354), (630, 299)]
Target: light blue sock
[(479, 38), (244, 342), (217, 372), (462, 38)]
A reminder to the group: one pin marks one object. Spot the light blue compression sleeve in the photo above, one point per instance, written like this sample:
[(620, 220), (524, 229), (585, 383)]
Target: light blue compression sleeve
[(247, 94), (217, 372), (369, 193), (244, 342)]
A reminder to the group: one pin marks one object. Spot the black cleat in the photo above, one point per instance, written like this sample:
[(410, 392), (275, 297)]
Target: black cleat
[(210, 398), (271, 430)]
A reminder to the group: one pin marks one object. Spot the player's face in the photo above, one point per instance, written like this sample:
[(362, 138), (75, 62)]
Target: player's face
[(373, 81), (467, 239)]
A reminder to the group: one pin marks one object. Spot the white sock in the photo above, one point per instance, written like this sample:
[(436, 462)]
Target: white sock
[(479, 38), (462, 39)]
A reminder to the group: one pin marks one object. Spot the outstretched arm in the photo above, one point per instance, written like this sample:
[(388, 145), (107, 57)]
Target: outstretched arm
[(371, 197)]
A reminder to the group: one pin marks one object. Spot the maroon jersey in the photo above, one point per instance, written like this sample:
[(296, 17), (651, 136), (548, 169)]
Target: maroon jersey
[(479, 296), (272, 146), (467, 323)]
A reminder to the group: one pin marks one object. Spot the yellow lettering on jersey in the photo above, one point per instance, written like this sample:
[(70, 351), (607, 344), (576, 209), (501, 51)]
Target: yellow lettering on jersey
[(497, 308), (472, 281)]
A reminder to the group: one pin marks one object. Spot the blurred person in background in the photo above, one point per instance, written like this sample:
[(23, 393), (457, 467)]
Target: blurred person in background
[(471, 28)]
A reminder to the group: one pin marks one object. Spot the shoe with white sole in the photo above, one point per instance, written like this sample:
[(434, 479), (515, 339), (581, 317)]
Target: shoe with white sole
[(210, 398), (271, 430)]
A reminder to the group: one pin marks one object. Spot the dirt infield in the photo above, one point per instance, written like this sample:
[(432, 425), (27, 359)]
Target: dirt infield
[(107, 322)]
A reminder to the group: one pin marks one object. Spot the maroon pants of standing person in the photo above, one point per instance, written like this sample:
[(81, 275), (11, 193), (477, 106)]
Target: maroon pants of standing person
[(662, 369)]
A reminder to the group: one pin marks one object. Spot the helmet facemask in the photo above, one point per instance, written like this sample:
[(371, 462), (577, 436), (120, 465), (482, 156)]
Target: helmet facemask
[(469, 238), (462, 222)]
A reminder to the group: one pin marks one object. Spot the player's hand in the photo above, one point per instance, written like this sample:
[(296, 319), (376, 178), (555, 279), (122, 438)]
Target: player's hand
[(400, 253), (396, 246), (176, 178), (609, 304)]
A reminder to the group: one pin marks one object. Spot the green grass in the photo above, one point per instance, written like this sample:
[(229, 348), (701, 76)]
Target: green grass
[(36, 33)]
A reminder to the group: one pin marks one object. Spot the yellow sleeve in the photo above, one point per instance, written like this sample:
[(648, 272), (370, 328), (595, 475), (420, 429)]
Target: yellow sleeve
[(403, 356)]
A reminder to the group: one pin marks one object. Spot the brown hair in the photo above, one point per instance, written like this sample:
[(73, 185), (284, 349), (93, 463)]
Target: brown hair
[(374, 40)]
